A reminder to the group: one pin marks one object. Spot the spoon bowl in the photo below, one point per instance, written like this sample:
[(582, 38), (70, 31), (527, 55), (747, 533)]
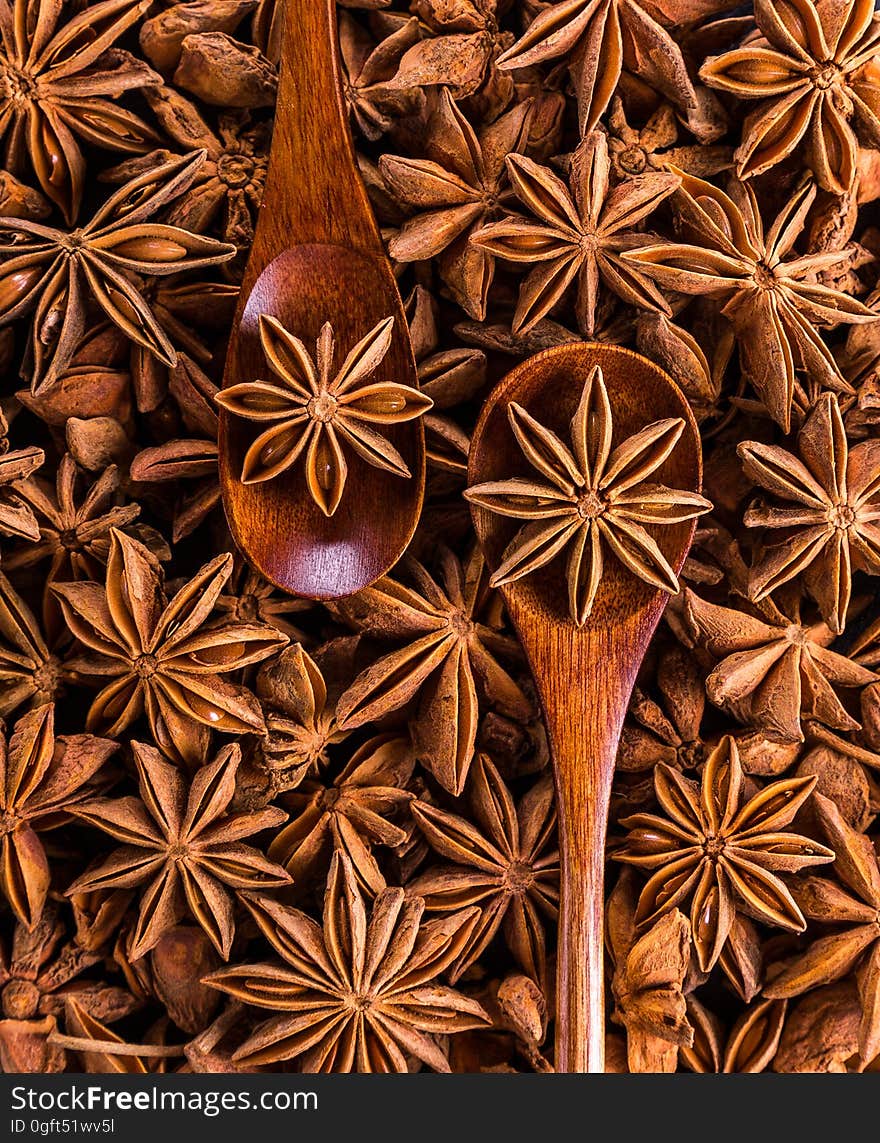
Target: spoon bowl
[(584, 675), (317, 258)]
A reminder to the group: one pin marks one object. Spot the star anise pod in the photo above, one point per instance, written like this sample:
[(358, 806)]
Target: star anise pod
[(649, 977), (774, 673), (591, 497), (58, 83), (634, 151), (299, 697), (772, 299), (74, 531), (720, 851), (807, 68), (164, 658), (251, 599), (505, 861), (668, 731), (56, 274), (360, 994), (226, 194), (39, 973), (181, 843), (854, 910), (830, 505), (447, 650), (30, 671), (318, 407), (374, 102), (600, 38), (16, 515), (42, 780), (351, 813), (578, 235), (462, 184), (748, 1047)]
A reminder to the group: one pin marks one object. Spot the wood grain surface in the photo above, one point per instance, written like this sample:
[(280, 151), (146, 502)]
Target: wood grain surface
[(584, 676), (317, 257)]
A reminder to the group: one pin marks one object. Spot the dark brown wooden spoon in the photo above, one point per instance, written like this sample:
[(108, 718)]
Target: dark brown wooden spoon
[(585, 675), (317, 257)]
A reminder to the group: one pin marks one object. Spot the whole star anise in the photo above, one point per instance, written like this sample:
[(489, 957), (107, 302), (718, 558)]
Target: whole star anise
[(505, 862), (351, 813), (719, 851), (770, 296), (447, 649), (356, 994), (599, 38), (299, 697), (807, 68), (578, 235), (774, 672), (165, 659), (591, 497), (58, 83), (56, 274), (826, 505), (462, 184), (182, 844), (74, 531), (317, 408)]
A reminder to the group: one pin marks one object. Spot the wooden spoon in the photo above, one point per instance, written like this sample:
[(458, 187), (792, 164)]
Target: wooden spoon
[(317, 257), (585, 675)]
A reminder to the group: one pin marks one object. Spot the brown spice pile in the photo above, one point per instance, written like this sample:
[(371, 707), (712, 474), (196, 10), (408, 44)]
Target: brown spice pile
[(240, 831)]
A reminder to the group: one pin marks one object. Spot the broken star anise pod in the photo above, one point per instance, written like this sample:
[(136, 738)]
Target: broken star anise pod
[(41, 780), (40, 971), (317, 408), (55, 275), (360, 994), (650, 970), (591, 497), (165, 659), (720, 851), (181, 843)]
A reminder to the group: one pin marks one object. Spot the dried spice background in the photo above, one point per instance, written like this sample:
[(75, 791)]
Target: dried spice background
[(240, 831)]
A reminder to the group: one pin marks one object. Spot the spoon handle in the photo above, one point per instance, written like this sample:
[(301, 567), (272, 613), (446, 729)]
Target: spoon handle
[(584, 729), (314, 192)]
